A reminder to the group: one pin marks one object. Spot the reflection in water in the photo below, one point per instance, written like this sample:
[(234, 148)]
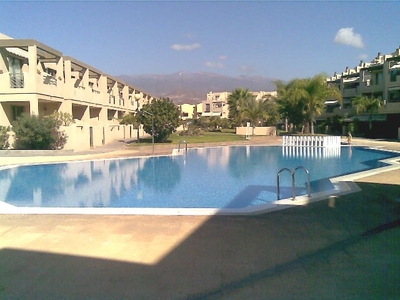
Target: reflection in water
[(160, 173), (317, 152), (218, 177), (83, 184)]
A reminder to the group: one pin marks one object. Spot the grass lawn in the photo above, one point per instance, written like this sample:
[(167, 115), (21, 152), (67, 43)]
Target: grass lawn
[(207, 137)]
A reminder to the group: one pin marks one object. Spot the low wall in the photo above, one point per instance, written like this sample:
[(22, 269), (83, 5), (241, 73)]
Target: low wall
[(81, 137), (271, 130)]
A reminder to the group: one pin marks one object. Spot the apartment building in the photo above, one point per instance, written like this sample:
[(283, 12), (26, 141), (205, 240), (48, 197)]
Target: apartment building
[(216, 103), (379, 78), (37, 79), (190, 111)]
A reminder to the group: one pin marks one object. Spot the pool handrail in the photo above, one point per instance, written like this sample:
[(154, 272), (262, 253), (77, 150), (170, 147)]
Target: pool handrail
[(292, 173), (179, 145)]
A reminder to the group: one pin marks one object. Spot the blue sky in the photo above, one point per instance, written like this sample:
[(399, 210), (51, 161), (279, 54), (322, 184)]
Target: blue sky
[(282, 40)]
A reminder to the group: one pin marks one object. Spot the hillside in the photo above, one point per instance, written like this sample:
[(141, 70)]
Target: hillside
[(186, 87)]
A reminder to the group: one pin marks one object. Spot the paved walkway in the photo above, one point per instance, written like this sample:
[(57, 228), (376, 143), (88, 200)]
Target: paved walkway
[(340, 248)]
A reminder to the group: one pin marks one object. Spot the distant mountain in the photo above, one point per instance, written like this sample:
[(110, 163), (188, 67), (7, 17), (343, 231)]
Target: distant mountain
[(186, 87)]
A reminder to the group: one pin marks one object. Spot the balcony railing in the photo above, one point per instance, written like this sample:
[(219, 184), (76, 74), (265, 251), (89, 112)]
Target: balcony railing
[(16, 80), (111, 99), (49, 80)]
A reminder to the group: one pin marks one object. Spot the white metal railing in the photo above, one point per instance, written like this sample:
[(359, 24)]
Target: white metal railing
[(49, 79), (292, 174), (16, 80), (311, 141)]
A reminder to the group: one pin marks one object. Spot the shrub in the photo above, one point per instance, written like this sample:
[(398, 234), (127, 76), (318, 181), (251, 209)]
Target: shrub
[(3, 137), (35, 133)]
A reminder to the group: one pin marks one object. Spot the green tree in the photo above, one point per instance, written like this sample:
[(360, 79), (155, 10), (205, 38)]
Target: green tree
[(289, 105), (316, 92), (3, 137), (254, 111), (36, 133), (162, 115), (364, 104), (305, 97), (129, 119), (236, 102), (62, 118)]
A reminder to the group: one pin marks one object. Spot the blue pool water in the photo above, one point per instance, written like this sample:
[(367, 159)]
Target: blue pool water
[(222, 177)]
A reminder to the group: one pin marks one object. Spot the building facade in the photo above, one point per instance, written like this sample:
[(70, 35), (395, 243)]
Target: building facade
[(379, 78), (190, 111), (216, 103), (38, 80)]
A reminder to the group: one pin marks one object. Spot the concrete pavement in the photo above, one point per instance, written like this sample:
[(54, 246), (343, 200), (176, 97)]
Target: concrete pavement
[(340, 248)]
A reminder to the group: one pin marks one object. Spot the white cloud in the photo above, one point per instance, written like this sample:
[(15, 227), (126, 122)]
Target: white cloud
[(346, 36), (363, 56), (222, 57), (217, 65), (190, 47)]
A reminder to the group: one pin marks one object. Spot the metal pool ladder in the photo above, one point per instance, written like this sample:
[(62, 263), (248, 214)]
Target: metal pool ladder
[(179, 145), (292, 173)]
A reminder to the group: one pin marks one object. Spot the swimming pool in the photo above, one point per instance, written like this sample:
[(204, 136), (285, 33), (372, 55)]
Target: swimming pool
[(235, 178)]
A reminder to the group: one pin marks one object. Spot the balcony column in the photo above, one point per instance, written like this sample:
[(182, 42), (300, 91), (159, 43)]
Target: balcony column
[(32, 74), (103, 115), (102, 83), (34, 106), (59, 71), (69, 86)]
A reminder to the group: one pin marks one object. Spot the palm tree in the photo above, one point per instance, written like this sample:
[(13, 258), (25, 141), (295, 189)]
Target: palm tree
[(312, 93), (254, 111), (318, 92), (364, 104), (271, 110), (289, 101), (236, 102)]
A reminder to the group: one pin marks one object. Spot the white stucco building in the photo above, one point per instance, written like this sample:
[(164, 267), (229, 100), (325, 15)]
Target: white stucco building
[(37, 79)]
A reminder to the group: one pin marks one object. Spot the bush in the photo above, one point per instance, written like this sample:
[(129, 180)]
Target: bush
[(192, 131), (3, 137), (35, 133)]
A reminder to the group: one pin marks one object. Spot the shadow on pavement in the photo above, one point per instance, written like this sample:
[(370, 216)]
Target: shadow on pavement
[(347, 249)]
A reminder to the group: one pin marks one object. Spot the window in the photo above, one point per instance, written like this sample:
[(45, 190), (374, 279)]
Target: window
[(393, 75), (16, 111), (16, 75), (394, 96), (378, 78)]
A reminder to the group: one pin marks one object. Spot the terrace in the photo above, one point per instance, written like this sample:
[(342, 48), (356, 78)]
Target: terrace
[(339, 248)]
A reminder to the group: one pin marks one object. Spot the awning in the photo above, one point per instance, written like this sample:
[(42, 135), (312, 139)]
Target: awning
[(394, 88), (17, 51), (351, 79), (366, 118), (211, 114), (331, 102)]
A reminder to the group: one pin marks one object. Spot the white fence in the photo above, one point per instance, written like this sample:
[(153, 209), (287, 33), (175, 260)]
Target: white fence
[(311, 141), (311, 152)]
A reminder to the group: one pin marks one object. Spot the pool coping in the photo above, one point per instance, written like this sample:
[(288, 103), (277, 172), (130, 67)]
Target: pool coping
[(342, 185)]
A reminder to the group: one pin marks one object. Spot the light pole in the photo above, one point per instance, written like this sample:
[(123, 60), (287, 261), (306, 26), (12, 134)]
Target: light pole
[(152, 127), (137, 98)]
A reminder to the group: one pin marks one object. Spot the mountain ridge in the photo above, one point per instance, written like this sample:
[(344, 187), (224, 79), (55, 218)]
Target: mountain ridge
[(186, 87)]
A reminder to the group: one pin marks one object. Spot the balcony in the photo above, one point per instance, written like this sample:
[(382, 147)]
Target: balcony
[(349, 92), (16, 81), (49, 80), (111, 99)]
